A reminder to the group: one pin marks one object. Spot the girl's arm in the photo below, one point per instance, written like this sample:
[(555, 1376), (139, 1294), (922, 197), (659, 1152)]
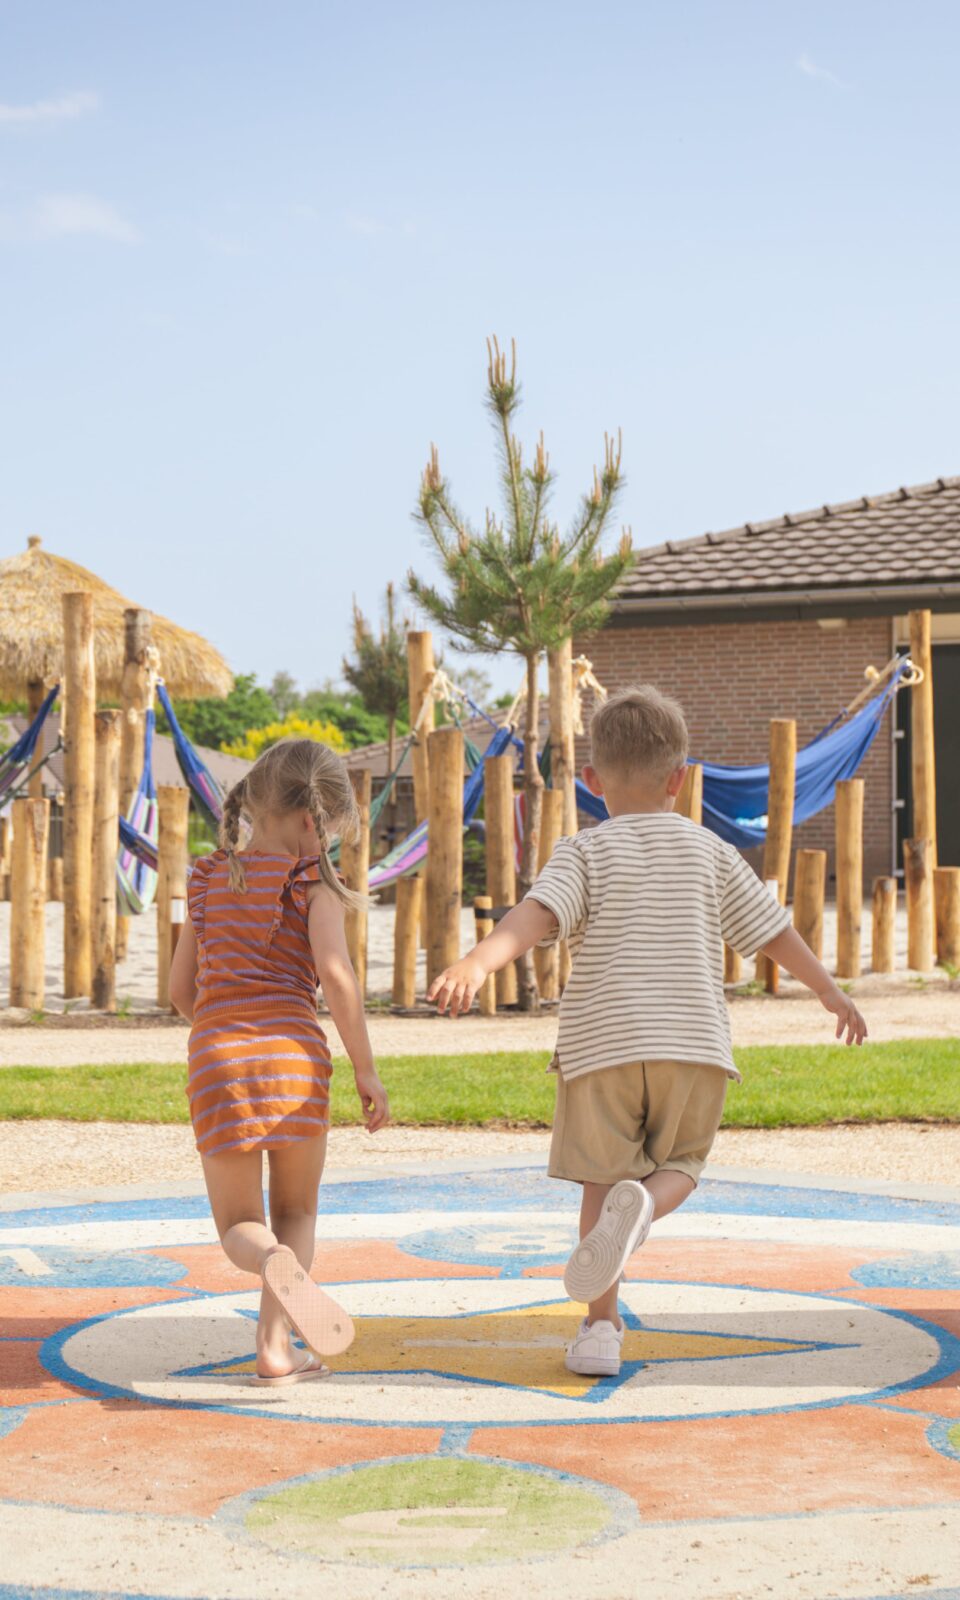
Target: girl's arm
[(183, 972), (520, 930), (342, 994), (788, 950)]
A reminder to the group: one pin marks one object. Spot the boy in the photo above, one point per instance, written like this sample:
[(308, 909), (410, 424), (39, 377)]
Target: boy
[(644, 1049)]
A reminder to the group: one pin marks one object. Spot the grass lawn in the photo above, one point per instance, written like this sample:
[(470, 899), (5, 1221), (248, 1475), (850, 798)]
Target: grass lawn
[(784, 1086)]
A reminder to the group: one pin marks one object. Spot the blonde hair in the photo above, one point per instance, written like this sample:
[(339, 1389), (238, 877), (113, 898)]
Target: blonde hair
[(294, 775), (639, 730)]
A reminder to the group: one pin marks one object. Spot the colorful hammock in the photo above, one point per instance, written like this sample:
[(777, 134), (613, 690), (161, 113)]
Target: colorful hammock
[(206, 791), (15, 762), (735, 799), (139, 837)]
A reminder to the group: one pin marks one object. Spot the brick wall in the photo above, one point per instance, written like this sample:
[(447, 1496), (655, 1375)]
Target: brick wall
[(732, 678)]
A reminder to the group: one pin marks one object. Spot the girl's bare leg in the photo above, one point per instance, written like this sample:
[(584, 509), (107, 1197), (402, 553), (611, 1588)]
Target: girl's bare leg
[(669, 1189)]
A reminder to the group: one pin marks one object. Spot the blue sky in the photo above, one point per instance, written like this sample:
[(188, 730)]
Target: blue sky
[(250, 254)]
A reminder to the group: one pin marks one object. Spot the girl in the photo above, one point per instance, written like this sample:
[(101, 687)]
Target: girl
[(266, 925)]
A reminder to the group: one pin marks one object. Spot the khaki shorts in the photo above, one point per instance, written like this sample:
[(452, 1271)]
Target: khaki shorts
[(629, 1121)]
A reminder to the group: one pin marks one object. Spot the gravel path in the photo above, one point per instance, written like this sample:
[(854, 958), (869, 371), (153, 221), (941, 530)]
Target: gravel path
[(58, 1156)]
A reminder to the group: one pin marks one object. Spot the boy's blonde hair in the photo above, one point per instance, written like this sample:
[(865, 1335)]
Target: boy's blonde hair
[(294, 775), (639, 730)]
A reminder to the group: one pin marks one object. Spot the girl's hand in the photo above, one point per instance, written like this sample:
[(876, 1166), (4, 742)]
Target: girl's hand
[(373, 1099), (849, 1020), (455, 988)]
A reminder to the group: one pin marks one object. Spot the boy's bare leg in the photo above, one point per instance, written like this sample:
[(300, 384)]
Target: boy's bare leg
[(669, 1189)]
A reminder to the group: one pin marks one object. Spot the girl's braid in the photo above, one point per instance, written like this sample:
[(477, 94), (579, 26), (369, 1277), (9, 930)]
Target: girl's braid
[(230, 834)]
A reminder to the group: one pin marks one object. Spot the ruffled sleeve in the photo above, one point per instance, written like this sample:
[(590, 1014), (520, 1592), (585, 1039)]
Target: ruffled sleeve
[(197, 892), (293, 890)]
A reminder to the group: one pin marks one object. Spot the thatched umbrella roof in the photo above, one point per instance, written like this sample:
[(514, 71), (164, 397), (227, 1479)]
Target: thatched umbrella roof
[(32, 586)]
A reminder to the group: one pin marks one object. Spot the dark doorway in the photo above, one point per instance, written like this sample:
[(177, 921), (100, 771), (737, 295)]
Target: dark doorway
[(946, 721)]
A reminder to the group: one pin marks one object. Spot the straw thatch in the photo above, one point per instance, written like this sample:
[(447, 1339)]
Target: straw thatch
[(32, 586)]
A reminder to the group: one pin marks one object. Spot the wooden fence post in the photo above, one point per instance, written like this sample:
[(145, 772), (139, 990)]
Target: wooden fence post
[(134, 698), (54, 877), (501, 853), (355, 865), (848, 808), (487, 993), (918, 877), (732, 965), (946, 900), (106, 841), (883, 949), (36, 694), (922, 760), (809, 887), (689, 802), (406, 934), (445, 855), (547, 960), (173, 815), (420, 674), (6, 844), (28, 894), (563, 763), (780, 803), (79, 683)]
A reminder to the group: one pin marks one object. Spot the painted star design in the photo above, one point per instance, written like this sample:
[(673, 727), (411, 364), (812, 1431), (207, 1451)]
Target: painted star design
[(520, 1347)]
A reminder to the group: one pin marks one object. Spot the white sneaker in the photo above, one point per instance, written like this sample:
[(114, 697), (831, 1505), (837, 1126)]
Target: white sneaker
[(595, 1352), (599, 1259)]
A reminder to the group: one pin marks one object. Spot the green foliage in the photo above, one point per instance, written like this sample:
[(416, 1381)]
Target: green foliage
[(378, 671), (348, 713), (293, 726), (249, 706), (215, 723)]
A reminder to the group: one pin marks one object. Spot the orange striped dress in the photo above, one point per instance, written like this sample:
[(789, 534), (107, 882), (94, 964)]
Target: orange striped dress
[(259, 1072)]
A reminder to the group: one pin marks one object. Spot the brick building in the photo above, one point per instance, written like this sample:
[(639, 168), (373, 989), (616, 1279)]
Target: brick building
[(781, 618)]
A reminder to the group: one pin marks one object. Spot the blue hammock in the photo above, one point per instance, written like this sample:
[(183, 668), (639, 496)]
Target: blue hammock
[(206, 791), (139, 837), (16, 761), (735, 799)]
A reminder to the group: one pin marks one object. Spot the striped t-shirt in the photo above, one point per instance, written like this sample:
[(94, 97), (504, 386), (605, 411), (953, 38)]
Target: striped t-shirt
[(646, 901)]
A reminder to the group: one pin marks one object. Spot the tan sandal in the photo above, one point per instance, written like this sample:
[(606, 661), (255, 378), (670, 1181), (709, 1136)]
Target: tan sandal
[(321, 1323), (312, 1367)]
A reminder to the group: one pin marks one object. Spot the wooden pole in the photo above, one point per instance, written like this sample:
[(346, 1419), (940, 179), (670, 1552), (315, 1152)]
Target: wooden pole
[(780, 803), (918, 879), (28, 894), (80, 693), (36, 694), (445, 855), (689, 802), (501, 853), (106, 840), (946, 900), (6, 845), (406, 930), (547, 960), (134, 700), (809, 887), (355, 866), (848, 809), (922, 757), (487, 993), (883, 947), (54, 878), (732, 965), (174, 815), (563, 766), (420, 673)]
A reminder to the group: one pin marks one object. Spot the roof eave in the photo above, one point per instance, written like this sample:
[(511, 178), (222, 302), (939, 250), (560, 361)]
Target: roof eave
[(853, 600)]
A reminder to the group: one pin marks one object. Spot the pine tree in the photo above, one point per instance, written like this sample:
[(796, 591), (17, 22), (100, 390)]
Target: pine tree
[(378, 671), (519, 584)]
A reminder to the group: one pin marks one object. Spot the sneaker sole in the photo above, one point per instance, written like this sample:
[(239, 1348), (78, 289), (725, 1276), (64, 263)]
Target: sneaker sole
[(600, 1258)]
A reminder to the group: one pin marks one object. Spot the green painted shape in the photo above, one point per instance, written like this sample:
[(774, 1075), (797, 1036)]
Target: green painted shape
[(953, 1437), (434, 1512)]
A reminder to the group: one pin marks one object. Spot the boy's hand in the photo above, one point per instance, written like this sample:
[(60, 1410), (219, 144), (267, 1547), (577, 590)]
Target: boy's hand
[(455, 988), (849, 1020), (373, 1099)]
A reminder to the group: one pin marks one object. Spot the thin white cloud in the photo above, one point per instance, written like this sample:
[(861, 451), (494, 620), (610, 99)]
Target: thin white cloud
[(807, 65), (69, 106), (369, 227), (57, 216)]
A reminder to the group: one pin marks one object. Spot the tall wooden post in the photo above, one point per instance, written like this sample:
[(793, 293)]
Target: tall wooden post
[(946, 901), (918, 880), (355, 865), (28, 894), (883, 944), (134, 699), (689, 802), (420, 674), (406, 933), (487, 992), (922, 761), (848, 808), (780, 803), (732, 965), (80, 694), (809, 887), (547, 960), (6, 845), (106, 839), (501, 853), (445, 855), (36, 694), (174, 815), (563, 765)]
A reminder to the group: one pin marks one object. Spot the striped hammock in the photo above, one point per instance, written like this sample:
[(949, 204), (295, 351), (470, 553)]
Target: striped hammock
[(139, 837)]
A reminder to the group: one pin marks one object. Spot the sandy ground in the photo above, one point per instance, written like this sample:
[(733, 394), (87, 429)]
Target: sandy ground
[(47, 1156)]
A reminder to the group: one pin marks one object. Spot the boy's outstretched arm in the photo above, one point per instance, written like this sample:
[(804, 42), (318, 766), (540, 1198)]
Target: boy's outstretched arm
[(788, 950), (522, 927)]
